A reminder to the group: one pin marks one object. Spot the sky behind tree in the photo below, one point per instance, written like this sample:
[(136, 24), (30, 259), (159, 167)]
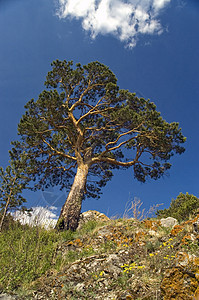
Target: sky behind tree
[(152, 46)]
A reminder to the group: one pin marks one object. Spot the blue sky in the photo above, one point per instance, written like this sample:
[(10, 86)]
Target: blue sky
[(151, 45)]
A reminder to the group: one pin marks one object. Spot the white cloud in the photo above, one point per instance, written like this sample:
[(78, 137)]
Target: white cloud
[(125, 19), (39, 216), (159, 4)]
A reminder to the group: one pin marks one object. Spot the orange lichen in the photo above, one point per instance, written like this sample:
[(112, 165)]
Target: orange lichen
[(150, 224), (176, 229), (139, 235), (196, 261), (196, 294), (185, 240), (75, 243), (174, 284)]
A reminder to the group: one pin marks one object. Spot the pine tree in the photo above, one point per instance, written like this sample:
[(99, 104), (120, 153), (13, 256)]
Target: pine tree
[(12, 184), (83, 127)]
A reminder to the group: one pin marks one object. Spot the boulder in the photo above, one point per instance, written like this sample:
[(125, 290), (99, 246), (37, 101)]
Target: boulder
[(92, 215), (168, 222)]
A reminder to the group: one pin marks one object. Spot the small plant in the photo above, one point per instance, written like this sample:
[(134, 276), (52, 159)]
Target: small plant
[(162, 257), (87, 251), (133, 210), (108, 246), (129, 267), (67, 235)]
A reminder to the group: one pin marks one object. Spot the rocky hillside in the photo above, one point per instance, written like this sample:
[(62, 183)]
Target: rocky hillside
[(124, 259)]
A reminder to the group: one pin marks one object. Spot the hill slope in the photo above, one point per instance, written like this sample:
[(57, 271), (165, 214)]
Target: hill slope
[(121, 259)]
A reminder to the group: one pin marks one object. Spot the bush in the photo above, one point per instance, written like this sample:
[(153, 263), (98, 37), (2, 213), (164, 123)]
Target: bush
[(180, 208)]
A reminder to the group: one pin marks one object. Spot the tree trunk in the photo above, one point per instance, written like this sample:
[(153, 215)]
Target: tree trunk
[(70, 212), (4, 213)]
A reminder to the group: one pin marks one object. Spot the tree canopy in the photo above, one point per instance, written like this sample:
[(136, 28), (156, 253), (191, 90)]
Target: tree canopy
[(83, 121)]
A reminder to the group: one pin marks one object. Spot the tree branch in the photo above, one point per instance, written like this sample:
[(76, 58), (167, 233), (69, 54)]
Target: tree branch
[(90, 87), (58, 152), (113, 161)]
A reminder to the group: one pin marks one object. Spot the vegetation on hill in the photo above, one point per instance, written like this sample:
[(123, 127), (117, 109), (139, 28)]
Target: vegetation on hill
[(104, 259), (181, 207)]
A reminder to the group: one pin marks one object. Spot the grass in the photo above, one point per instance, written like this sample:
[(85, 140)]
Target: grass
[(26, 253), (29, 252)]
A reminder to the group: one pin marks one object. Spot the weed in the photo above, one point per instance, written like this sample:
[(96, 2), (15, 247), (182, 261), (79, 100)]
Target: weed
[(133, 210)]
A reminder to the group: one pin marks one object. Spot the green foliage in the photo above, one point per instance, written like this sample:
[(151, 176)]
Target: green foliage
[(12, 183), (181, 207)]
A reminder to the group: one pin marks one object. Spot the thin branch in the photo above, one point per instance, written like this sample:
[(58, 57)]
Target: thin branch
[(90, 111), (122, 143), (58, 152), (7, 203), (134, 130), (82, 95)]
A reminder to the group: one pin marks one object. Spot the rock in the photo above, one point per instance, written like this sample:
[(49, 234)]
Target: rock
[(196, 225), (104, 232), (92, 215), (80, 286), (154, 233), (179, 284), (182, 281), (7, 297), (124, 260), (168, 222), (113, 265), (183, 259), (151, 224)]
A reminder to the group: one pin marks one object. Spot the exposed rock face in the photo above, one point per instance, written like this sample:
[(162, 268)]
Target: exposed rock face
[(168, 222)]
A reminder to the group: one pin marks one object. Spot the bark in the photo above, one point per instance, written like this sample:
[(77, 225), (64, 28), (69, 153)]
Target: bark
[(70, 212)]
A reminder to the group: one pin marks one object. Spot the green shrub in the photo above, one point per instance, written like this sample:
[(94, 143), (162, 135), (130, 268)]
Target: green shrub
[(180, 208)]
